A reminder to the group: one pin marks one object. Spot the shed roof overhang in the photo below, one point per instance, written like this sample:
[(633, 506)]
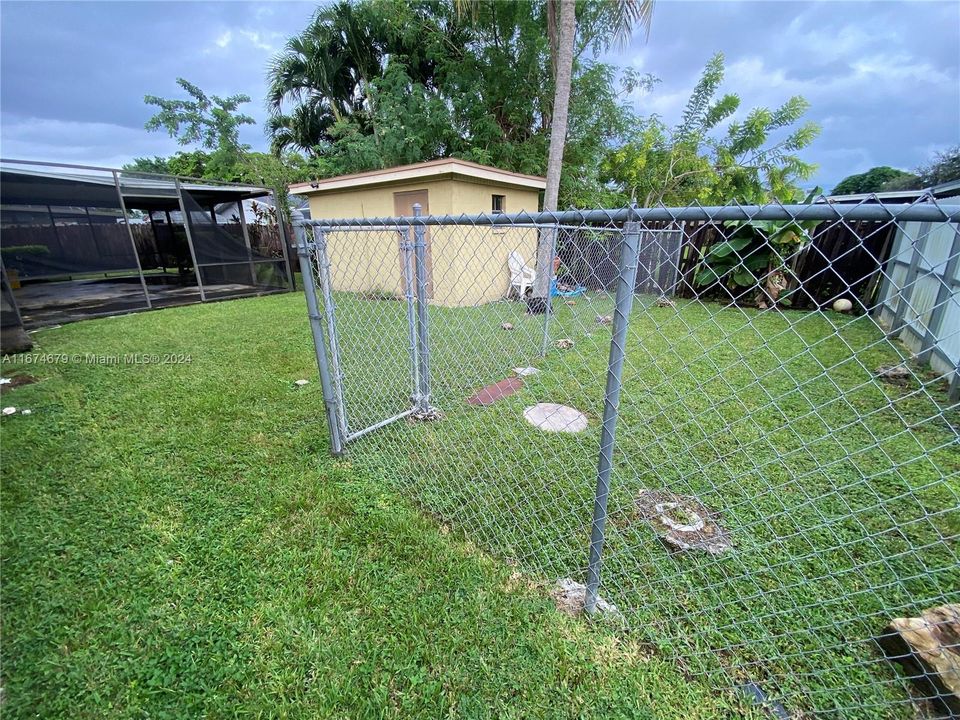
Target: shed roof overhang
[(448, 168)]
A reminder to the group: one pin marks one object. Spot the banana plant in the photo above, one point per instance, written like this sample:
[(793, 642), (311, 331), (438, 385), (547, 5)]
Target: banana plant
[(754, 254)]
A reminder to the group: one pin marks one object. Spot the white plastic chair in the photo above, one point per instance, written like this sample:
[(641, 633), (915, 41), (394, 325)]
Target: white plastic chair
[(521, 276)]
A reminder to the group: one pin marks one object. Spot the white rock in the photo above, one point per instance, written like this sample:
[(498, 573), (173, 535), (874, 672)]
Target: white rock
[(842, 305), (555, 418), (9, 410), (4, 381), (26, 412), (525, 371), (301, 383)]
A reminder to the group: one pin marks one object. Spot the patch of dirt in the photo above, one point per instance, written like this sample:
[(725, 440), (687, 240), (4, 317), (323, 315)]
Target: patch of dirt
[(519, 581), (682, 521), (18, 381), (570, 598), (894, 374)]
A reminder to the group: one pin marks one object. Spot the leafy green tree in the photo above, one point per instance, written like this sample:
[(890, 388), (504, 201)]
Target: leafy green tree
[(156, 164), (214, 124), (599, 24), (185, 164), (871, 181), (275, 172), (944, 167), (910, 181), (195, 163), (424, 80), (328, 73), (211, 122), (754, 160)]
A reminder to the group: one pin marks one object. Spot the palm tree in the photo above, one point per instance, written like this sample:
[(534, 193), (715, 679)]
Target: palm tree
[(304, 128), (622, 16), (323, 72)]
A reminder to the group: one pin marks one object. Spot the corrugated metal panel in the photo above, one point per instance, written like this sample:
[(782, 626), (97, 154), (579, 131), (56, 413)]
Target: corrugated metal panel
[(936, 248), (949, 333), (886, 317), (902, 249), (922, 300), (913, 341), (897, 279)]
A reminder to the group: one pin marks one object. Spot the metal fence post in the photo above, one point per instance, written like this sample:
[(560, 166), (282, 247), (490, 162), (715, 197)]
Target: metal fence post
[(329, 309), (406, 249), (423, 335), (310, 290), (548, 309), (626, 278)]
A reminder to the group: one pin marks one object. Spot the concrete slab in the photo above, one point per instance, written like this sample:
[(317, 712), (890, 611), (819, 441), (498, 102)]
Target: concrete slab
[(553, 417)]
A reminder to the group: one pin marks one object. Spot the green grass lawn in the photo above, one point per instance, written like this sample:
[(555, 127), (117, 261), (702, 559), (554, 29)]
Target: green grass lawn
[(840, 492), (177, 543)]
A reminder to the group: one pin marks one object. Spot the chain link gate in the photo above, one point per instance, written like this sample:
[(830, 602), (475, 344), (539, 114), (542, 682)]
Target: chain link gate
[(403, 386), (757, 490)]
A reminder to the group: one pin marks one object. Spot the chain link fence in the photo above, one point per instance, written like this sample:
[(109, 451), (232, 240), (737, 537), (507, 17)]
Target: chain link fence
[(752, 490)]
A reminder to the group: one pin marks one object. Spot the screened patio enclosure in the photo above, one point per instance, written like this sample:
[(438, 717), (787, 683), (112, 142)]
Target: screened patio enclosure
[(81, 241)]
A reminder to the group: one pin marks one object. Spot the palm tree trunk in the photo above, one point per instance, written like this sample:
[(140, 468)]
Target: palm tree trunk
[(552, 36), (558, 137)]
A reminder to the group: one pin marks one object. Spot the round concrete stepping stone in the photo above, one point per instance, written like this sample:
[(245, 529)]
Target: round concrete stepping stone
[(553, 417)]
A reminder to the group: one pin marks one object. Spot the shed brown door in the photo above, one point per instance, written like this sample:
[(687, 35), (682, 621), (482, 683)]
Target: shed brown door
[(403, 203)]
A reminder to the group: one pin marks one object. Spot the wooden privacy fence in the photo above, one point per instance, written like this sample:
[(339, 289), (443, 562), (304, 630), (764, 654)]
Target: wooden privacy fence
[(589, 258), (843, 260)]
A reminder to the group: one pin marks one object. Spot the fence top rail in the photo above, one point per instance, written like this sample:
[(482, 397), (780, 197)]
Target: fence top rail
[(917, 212), (399, 224)]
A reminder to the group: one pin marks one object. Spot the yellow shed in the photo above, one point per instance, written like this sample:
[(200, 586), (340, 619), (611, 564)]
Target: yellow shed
[(466, 265)]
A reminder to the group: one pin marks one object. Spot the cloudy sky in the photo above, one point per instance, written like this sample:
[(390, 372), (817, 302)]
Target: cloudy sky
[(883, 79)]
